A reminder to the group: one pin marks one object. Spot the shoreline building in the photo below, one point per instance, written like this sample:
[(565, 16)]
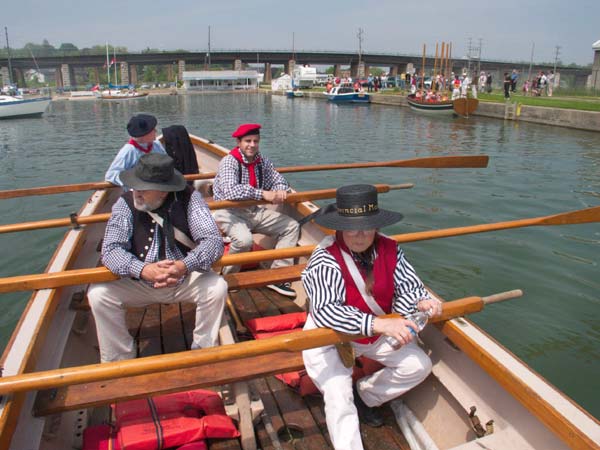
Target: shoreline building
[(595, 76), (220, 80)]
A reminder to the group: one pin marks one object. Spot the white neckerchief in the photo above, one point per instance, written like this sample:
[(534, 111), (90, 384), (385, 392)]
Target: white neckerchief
[(360, 284), (179, 235)]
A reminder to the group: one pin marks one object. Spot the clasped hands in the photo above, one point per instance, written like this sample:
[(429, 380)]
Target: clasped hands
[(165, 273)]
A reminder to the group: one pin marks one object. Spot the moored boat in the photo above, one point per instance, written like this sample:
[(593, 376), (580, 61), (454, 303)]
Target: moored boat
[(436, 107), (293, 93), (121, 95), (470, 368), (460, 106), (17, 106), (347, 94)]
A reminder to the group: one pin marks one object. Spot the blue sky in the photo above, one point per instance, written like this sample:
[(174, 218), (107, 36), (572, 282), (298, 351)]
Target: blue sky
[(508, 28)]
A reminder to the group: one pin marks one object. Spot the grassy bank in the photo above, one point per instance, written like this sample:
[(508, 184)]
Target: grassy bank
[(580, 102)]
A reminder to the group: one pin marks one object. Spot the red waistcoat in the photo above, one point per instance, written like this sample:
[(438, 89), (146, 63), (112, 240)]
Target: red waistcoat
[(383, 271)]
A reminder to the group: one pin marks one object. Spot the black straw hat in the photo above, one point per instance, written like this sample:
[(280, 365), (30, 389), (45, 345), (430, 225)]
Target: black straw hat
[(154, 171), (141, 124), (356, 208)]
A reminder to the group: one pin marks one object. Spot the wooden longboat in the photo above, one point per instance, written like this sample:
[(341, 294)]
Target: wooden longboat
[(461, 106), (477, 386)]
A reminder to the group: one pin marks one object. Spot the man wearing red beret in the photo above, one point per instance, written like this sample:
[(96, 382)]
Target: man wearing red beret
[(245, 174)]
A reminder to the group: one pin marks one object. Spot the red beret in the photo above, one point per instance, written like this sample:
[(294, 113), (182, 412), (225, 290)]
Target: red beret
[(246, 129)]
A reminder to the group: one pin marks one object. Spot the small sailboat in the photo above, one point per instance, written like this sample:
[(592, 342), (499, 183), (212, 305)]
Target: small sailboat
[(116, 91)]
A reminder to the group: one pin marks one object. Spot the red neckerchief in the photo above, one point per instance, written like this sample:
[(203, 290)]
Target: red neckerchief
[(137, 145), (383, 276), (237, 154)]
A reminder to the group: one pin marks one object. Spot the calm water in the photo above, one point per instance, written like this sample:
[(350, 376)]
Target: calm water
[(534, 171)]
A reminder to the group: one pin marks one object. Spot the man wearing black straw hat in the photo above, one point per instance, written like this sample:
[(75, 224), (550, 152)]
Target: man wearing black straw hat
[(351, 279), (161, 240)]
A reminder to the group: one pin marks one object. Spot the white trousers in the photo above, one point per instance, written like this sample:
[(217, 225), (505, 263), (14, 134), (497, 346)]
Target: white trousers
[(239, 224), (404, 369), (109, 302)]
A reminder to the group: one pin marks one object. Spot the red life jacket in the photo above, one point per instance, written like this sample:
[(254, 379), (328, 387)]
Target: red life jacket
[(265, 327), (163, 421), (383, 272)]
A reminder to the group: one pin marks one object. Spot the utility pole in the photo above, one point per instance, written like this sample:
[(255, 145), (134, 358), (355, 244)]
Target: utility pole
[(9, 63), (531, 61), (556, 53), (360, 40), (469, 50), (479, 58), (208, 46)]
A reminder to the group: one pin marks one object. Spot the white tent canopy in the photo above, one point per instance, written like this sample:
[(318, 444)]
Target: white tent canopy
[(283, 83)]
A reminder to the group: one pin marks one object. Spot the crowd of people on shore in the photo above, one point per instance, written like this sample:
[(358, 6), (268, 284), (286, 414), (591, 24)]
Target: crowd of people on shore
[(441, 88), (162, 240), (541, 85)]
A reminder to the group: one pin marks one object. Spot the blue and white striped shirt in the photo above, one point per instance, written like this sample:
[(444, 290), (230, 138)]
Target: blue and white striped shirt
[(324, 285), (116, 254)]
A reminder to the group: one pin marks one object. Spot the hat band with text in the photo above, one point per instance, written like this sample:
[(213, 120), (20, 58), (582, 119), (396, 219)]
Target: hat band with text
[(361, 210)]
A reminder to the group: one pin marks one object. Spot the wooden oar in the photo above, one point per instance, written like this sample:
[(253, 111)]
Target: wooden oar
[(295, 197), (101, 274), (431, 162), (292, 342)]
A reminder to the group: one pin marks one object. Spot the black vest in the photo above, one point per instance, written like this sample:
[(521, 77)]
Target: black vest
[(143, 224)]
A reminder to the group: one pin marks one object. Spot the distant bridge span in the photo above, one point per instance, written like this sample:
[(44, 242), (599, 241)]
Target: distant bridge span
[(395, 62)]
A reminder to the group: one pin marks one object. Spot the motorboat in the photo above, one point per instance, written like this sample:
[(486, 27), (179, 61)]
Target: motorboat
[(345, 93)]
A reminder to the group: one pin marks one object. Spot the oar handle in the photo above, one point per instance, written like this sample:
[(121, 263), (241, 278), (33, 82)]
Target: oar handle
[(501, 296)]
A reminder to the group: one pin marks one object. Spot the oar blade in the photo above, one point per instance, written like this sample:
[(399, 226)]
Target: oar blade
[(445, 162), (587, 215)]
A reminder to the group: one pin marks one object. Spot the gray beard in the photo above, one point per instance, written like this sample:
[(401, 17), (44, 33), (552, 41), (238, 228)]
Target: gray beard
[(146, 207)]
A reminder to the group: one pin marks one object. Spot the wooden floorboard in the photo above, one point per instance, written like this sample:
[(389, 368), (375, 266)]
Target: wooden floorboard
[(272, 409), (148, 340), (263, 304), (297, 417), (171, 328)]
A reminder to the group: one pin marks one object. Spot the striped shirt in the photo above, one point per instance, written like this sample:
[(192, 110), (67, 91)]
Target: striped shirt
[(227, 185), (324, 285), (116, 254)]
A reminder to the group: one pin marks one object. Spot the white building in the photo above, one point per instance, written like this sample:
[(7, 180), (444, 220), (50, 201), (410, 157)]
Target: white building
[(304, 77), (594, 81), (219, 80)]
